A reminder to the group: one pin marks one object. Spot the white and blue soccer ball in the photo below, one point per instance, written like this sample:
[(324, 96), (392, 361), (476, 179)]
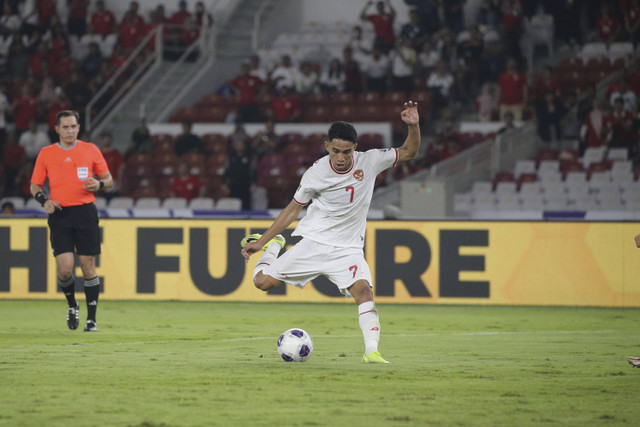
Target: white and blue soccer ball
[(295, 345)]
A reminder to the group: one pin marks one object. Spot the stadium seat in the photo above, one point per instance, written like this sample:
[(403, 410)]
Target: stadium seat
[(147, 203), (616, 154), (228, 204), (18, 202), (369, 112), (369, 140), (101, 202), (620, 50), (505, 187), (484, 202), (215, 143), (532, 187), (316, 114), (508, 202), (174, 203), (202, 203), (531, 202), (556, 204), (121, 202), (462, 203), (553, 189), (610, 201), (524, 166), (481, 188), (593, 50)]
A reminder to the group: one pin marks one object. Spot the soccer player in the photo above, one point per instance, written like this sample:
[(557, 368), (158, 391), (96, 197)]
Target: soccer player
[(70, 165), (338, 190)]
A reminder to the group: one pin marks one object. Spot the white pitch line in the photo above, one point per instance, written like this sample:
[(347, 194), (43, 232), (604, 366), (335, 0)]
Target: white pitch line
[(461, 334)]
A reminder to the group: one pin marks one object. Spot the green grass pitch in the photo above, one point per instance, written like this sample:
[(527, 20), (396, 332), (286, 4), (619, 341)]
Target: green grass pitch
[(216, 364)]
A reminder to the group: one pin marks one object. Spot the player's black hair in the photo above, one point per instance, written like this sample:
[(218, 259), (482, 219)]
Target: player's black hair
[(67, 113), (342, 130)]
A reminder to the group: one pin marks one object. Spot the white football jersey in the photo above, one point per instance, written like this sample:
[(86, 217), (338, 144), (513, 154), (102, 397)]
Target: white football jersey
[(339, 201)]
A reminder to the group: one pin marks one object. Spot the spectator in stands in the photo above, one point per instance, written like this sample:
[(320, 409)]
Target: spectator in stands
[(33, 140), (18, 63), (102, 20), (306, 80), (186, 185), (141, 141), (403, 60), (47, 91), (201, 16), (428, 13), (28, 17), (564, 15), (133, 11), (594, 130), (187, 141), (9, 21), (92, 62), (180, 17), (546, 83), (77, 91), (131, 32), (247, 88), (549, 115), (453, 14), (470, 52), (58, 41), (620, 126), (284, 74), (427, 59), (173, 47), (47, 12), (332, 78), (382, 24), (63, 65), (352, 75), (571, 123), (376, 70), (256, 70), (487, 15), (13, 156), (240, 174), (414, 31), (360, 46), (632, 20), (509, 123), (285, 106), (190, 33), (513, 90), (114, 159), (512, 26), (23, 179), (266, 141), (486, 104), (5, 106), (607, 24), (77, 22), (439, 84), (24, 108), (629, 98), (8, 209), (60, 103)]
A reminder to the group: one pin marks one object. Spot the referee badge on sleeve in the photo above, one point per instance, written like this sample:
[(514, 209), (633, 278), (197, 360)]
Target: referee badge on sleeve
[(83, 173)]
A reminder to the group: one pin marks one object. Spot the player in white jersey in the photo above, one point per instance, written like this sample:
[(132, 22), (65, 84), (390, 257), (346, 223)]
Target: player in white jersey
[(338, 190)]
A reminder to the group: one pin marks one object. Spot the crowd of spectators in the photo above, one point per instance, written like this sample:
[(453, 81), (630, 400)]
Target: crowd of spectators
[(57, 55), (478, 69)]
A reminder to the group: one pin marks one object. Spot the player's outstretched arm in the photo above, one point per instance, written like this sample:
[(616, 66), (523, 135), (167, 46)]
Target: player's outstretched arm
[(409, 150), (286, 217), (638, 241)]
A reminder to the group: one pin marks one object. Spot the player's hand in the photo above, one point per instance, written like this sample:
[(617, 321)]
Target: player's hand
[(92, 184), (638, 241), (410, 113), (250, 249), (51, 206)]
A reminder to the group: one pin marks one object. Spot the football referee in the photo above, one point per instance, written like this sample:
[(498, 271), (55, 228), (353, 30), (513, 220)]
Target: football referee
[(72, 166)]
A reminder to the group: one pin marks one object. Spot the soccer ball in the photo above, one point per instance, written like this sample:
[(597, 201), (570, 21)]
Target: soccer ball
[(295, 345)]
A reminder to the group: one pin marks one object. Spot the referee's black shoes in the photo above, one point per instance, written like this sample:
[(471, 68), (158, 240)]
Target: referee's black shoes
[(73, 317), (90, 326)]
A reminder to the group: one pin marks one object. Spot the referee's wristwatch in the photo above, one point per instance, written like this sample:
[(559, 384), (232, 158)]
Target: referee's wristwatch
[(101, 185)]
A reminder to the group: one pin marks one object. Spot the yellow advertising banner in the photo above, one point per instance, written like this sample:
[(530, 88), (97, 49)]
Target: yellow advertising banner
[(416, 262)]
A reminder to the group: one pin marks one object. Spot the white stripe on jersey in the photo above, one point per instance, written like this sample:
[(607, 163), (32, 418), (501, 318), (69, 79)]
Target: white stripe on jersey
[(340, 200)]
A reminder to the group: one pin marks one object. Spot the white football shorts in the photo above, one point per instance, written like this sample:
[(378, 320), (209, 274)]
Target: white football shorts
[(308, 260)]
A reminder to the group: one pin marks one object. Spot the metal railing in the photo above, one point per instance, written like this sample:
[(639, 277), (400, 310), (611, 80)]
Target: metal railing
[(257, 24), (136, 55)]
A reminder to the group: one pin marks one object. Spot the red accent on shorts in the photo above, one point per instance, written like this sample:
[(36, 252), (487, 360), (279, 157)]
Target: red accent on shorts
[(263, 263)]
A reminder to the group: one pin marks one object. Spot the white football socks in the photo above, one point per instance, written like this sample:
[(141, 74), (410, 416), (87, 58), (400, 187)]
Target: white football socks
[(370, 324), (267, 258)]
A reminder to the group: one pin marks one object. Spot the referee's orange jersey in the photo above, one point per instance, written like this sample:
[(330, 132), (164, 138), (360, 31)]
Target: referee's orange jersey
[(67, 170)]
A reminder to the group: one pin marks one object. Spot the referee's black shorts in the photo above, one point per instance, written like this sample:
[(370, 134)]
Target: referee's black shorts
[(75, 228)]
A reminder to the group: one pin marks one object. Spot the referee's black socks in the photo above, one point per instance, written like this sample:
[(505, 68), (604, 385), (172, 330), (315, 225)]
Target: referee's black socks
[(68, 287), (92, 291)]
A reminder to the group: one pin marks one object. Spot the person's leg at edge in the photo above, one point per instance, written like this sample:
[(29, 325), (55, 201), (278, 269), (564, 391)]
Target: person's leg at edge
[(368, 317), (91, 284)]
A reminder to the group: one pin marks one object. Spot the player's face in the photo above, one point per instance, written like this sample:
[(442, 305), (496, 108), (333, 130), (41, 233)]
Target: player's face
[(68, 130), (340, 153)]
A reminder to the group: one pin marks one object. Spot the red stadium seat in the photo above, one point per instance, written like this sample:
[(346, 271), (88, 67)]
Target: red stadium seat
[(369, 112), (215, 143), (343, 98), (316, 114), (368, 97)]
